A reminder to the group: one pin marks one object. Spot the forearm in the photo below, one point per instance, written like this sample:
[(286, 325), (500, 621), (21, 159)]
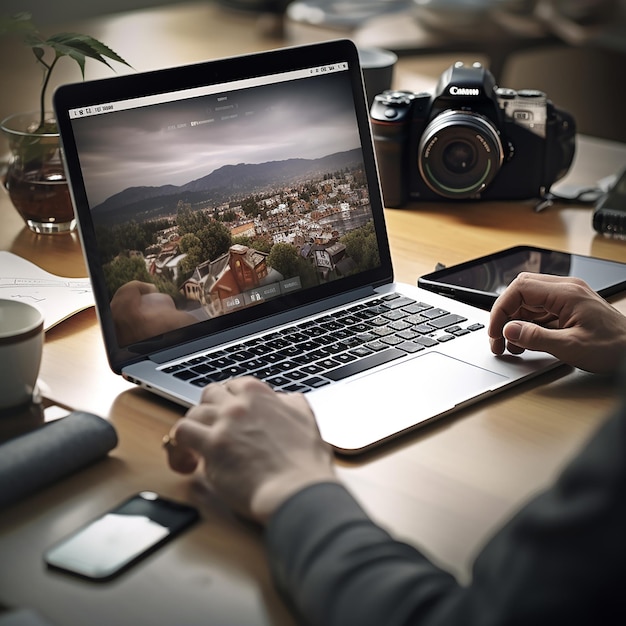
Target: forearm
[(339, 568), (560, 560)]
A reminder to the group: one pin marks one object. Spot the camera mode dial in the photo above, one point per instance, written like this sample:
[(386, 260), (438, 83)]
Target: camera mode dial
[(392, 104)]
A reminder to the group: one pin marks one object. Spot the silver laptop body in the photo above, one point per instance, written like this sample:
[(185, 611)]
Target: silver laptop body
[(232, 222)]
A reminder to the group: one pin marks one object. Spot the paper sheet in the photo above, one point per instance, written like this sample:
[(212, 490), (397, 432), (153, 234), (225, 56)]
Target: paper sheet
[(57, 297)]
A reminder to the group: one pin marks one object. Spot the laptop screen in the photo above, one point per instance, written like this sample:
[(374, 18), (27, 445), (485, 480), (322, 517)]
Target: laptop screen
[(225, 201)]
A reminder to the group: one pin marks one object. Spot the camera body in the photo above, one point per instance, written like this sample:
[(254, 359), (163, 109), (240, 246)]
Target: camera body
[(470, 140)]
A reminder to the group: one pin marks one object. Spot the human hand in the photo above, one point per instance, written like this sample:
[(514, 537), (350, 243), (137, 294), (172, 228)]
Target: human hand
[(562, 316), (255, 446), (140, 311)]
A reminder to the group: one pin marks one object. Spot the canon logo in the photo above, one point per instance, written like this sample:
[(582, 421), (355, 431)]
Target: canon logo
[(464, 91)]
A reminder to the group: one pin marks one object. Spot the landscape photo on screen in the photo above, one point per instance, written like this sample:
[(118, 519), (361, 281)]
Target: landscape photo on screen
[(228, 200)]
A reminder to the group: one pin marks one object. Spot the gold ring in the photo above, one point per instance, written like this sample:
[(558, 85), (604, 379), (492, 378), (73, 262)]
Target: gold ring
[(169, 441)]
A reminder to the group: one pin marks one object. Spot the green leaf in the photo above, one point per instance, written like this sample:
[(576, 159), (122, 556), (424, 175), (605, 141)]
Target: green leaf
[(39, 52), (73, 43)]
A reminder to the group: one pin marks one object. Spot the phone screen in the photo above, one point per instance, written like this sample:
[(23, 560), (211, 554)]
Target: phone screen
[(482, 280), (110, 544)]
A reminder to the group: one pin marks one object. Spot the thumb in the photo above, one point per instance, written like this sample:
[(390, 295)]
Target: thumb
[(530, 336)]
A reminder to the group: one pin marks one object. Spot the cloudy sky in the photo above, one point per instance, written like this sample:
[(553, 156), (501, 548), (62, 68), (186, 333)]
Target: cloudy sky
[(157, 145)]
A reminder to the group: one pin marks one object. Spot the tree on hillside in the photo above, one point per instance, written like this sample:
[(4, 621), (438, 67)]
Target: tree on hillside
[(285, 259)]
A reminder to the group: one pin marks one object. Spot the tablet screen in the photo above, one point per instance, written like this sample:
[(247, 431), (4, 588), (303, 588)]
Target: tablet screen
[(485, 278)]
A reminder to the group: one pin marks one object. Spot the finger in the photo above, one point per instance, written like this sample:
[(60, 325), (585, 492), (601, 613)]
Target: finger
[(215, 393), (527, 291), (180, 459), (187, 445), (246, 385), (205, 413), (530, 336)]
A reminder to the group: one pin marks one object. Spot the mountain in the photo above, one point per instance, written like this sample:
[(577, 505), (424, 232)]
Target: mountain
[(224, 183)]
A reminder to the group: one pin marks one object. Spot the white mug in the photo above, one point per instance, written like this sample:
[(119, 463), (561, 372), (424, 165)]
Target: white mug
[(21, 345)]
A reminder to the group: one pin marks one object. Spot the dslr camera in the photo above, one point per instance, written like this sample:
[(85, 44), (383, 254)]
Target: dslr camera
[(470, 140)]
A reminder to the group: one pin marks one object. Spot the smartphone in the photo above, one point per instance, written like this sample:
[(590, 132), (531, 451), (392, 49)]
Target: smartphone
[(480, 281), (118, 539)]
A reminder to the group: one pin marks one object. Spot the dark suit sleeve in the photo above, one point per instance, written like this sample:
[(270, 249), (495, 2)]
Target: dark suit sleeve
[(560, 560)]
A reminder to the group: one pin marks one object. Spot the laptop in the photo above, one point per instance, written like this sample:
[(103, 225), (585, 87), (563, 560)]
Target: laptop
[(231, 219)]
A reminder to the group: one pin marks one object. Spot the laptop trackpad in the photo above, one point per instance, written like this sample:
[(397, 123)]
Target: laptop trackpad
[(376, 406)]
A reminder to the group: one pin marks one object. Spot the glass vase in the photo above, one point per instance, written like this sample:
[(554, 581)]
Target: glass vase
[(35, 177)]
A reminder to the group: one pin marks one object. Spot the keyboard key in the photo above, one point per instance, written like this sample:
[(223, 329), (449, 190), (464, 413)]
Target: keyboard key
[(333, 348), (410, 346), (447, 320), (221, 362), (444, 338), (400, 325), (400, 302), (273, 357), (361, 351), (396, 314), (278, 344), (185, 374), (427, 342), (242, 355), (384, 331), (423, 329), (377, 346), (315, 331), (315, 382), (410, 334), (290, 350), (296, 388), (255, 364), (320, 353), (296, 375), (378, 358), (417, 307), (392, 340), (303, 359), (278, 381), (433, 313), (327, 364)]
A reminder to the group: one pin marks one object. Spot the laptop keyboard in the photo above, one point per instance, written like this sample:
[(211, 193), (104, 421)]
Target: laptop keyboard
[(318, 352)]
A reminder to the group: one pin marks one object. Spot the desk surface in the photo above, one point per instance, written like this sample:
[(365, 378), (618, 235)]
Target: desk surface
[(444, 488)]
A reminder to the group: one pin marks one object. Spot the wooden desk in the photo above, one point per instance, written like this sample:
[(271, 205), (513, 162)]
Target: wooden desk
[(444, 488)]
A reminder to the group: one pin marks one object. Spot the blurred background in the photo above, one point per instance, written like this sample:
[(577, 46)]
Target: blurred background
[(574, 50)]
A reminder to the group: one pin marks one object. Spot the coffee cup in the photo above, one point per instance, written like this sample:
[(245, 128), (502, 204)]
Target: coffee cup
[(21, 345)]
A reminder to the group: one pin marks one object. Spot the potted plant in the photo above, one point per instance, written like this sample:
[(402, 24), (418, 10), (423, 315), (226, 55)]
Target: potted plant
[(35, 177)]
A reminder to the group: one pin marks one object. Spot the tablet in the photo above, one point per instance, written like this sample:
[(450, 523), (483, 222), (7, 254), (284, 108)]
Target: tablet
[(480, 281)]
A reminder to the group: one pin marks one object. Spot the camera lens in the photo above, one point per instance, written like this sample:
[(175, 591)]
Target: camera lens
[(459, 154), (459, 157)]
